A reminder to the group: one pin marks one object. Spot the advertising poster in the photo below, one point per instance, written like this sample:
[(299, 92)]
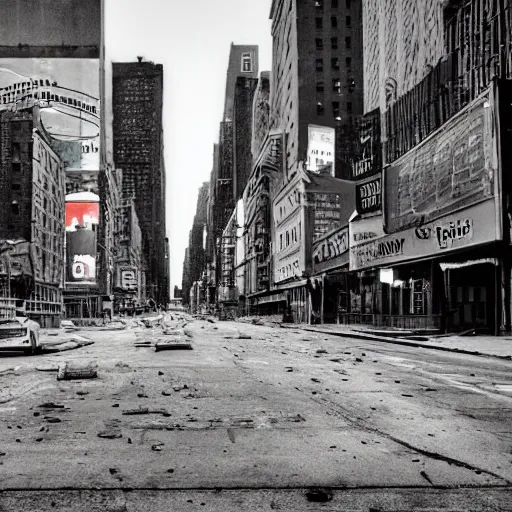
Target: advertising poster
[(82, 218), (332, 250), (453, 169), (67, 93), (369, 161), (129, 280), (369, 196), (321, 147), (464, 229)]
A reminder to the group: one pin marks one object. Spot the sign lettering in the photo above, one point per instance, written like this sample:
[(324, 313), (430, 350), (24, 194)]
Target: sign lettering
[(369, 196), (331, 247)]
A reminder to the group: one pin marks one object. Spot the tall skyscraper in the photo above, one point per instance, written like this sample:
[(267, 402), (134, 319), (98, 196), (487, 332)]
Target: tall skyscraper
[(138, 150), (317, 69), (243, 63)]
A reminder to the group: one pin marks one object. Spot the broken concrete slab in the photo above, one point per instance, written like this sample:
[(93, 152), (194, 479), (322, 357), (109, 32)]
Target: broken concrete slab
[(75, 371), (169, 345)]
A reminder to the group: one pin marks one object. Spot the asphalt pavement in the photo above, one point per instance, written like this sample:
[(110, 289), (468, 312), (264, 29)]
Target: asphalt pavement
[(255, 418)]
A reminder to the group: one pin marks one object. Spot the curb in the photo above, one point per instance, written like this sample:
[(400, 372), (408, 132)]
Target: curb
[(398, 341)]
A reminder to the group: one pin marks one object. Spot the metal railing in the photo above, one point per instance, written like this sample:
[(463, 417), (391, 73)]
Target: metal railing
[(392, 321)]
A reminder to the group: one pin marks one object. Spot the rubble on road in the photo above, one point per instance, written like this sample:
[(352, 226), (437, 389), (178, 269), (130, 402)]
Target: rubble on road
[(74, 371), (172, 345), (145, 410)]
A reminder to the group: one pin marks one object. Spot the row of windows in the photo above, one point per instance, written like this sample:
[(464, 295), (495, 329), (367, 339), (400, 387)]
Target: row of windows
[(335, 63), (319, 22), (290, 237), (319, 4), (336, 85), (289, 270), (336, 108), (319, 43)]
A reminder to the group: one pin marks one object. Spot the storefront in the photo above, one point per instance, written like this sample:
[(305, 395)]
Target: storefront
[(444, 274), (329, 280)]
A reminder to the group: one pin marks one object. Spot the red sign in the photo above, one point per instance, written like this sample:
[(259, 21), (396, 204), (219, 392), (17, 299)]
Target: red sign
[(82, 214)]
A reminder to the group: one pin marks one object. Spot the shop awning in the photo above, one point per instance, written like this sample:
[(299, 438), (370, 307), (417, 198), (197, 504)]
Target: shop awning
[(469, 263)]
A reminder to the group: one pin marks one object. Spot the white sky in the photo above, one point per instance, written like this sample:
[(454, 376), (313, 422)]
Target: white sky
[(192, 40)]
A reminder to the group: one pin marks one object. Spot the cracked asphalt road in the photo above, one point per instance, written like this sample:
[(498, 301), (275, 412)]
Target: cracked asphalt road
[(275, 411)]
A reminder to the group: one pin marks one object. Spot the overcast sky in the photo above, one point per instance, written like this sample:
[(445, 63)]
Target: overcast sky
[(191, 39)]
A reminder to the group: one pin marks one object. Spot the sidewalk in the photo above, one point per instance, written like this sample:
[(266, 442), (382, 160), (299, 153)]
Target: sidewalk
[(492, 346)]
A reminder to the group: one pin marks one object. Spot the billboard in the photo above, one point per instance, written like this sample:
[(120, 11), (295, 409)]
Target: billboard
[(128, 278), (67, 93), (369, 160), (332, 250), (321, 147), (461, 230), (369, 195), (82, 219), (453, 169)]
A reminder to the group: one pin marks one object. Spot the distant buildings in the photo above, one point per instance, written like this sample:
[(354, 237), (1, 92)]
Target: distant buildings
[(138, 151), (225, 181)]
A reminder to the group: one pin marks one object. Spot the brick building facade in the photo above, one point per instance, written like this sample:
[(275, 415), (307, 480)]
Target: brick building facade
[(32, 209), (138, 151)]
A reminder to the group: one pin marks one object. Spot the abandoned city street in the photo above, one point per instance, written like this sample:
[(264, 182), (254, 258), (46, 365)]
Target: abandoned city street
[(254, 417)]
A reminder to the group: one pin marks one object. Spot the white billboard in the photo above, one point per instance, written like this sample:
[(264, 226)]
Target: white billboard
[(321, 145)]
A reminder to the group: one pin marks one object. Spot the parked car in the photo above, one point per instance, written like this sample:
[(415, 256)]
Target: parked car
[(19, 333)]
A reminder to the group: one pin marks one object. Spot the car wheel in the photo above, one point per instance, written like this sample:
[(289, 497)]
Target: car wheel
[(33, 345)]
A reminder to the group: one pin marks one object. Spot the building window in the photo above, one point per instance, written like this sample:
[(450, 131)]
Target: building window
[(351, 85), (319, 44), (319, 22), (246, 62), (348, 21), (320, 86), (334, 4), (319, 64), (349, 107), (16, 167), (334, 21), (16, 152), (319, 4), (334, 43), (348, 63), (320, 109), (336, 85), (335, 63), (15, 208), (336, 109), (348, 42), (347, 4)]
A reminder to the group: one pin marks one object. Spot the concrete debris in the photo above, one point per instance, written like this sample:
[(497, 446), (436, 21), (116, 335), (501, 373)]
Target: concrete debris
[(74, 371), (172, 346), (51, 405), (47, 368), (110, 434), (145, 410), (50, 419)]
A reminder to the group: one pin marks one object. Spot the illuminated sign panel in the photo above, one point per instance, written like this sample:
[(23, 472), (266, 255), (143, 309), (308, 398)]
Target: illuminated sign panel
[(82, 220)]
